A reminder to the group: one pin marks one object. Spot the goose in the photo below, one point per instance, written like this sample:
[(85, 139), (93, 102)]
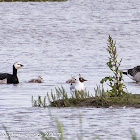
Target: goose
[(80, 84), (72, 83), (72, 80), (4, 81), (133, 73), (39, 80), (7, 78)]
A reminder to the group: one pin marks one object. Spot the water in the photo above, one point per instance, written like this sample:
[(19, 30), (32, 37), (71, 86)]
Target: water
[(57, 40)]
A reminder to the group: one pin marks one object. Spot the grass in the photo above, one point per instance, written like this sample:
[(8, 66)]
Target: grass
[(133, 135), (43, 135), (7, 133), (84, 99), (60, 132), (39, 102), (61, 98)]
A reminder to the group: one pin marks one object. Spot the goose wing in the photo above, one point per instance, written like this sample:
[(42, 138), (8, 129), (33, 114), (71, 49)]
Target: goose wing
[(4, 76)]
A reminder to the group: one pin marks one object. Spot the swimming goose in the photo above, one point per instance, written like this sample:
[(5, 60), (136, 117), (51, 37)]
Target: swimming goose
[(80, 84), (72, 80), (133, 73), (4, 81), (72, 83), (39, 80), (7, 78)]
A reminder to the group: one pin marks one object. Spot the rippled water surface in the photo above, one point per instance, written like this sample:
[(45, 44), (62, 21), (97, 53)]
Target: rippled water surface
[(57, 40)]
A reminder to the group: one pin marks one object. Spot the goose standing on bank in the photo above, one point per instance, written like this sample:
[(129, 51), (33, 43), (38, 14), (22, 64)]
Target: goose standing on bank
[(7, 78), (39, 80), (133, 73), (80, 84)]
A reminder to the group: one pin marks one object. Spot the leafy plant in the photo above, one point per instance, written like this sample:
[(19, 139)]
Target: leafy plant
[(115, 82)]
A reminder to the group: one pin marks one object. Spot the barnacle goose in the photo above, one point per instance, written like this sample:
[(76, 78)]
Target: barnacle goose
[(133, 73), (11, 78), (39, 80)]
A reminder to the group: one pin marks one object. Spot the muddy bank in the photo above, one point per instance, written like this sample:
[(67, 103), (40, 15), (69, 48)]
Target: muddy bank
[(132, 100)]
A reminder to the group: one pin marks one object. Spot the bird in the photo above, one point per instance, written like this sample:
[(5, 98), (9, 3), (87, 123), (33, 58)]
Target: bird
[(79, 86), (133, 73), (72, 83), (39, 80), (4, 81), (7, 78), (72, 80)]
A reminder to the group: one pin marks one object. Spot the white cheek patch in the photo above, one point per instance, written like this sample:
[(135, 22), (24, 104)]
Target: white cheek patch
[(17, 65)]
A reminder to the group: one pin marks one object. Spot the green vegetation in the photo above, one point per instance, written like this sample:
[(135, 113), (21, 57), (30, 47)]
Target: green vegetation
[(60, 131), (60, 136), (117, 95), (115, 81), (133, 135), (39, 102), (32, 0), (83, 99), (7, 133), (61, 99)]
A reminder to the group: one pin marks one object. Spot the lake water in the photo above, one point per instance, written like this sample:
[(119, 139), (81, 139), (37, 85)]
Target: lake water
[(57, 40)]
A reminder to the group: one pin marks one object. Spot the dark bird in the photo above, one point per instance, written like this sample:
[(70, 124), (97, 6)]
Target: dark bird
[(7, 78), (133, 73)]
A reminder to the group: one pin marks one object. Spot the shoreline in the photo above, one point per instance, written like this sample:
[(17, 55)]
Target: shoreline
[(131, 100)]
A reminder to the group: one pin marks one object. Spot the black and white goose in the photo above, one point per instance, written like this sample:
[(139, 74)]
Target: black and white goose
[(133, 73), (7, 78)]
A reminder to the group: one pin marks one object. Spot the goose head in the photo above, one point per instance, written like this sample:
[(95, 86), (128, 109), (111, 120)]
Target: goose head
[(40, 78), (73, 80), (17, 65)]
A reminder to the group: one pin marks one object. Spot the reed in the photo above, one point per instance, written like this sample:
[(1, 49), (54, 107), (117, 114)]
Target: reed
[(60, 131), (7, 133), (39, 102), (61, 98)]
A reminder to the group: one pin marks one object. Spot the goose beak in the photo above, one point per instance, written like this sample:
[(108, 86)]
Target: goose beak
[(21, 65)]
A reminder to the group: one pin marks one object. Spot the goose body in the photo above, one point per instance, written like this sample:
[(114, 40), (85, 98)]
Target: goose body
[(4, 81), (72, 83), (39, 80), (11, 78), (133, 73), (72, 80)]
